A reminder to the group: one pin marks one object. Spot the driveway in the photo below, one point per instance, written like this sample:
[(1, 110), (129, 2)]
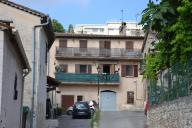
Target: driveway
[(123, 119), (66, 121)]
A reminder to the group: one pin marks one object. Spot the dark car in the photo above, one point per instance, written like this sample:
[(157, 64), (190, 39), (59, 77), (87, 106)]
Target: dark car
[(81, 109)]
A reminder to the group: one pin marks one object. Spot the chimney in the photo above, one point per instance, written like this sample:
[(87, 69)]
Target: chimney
[(122, 29)]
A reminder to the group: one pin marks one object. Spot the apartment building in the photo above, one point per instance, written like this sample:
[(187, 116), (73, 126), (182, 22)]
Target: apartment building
[(103, 68), (110, 28)]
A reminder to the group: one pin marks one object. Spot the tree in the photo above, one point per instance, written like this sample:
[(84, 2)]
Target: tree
[(170, 20), (57, 27), (70, 29)]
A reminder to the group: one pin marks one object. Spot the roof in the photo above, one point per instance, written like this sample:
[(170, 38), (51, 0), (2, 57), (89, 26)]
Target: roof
[(14, 36), (23, 8), (48, 28), (94, 36)]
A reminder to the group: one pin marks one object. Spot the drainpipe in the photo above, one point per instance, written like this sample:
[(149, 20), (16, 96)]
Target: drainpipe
[(33, 71)]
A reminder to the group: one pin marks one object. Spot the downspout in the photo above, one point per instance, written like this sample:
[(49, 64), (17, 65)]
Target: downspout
[(25, 73), (33, 71)]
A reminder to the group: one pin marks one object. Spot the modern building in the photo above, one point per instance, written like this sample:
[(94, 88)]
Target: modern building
[(35, 30), (103, 68), (110, 28), (14, 67)]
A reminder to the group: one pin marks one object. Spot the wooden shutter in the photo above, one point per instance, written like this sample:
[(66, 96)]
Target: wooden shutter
[(83, 43), (77, 70), (107, 45), (89, 69), (63, 43), (129, 45), (135, 70), (101, 44), (123, 70), (112, 69)]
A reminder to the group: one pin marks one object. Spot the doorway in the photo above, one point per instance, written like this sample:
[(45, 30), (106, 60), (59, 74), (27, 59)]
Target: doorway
[(106, 68)]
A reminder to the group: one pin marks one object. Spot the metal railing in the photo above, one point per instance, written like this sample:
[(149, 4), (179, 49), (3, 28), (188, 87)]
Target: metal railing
[(171, 84), (87, 78), (98, 53)]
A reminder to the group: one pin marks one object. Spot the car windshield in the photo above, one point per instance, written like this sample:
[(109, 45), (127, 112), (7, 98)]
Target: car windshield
[(81, 106)]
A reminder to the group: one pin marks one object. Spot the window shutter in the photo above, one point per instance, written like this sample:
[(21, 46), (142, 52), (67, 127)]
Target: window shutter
[(135, 70), (89, 69), (107, 45), (129, 45), (112, 69), (123, 71), (63, 43), (101, 44), (77, 68), (83, 43)]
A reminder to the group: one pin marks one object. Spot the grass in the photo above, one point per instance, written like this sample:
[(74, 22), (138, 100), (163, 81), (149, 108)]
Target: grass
[(95, 119)]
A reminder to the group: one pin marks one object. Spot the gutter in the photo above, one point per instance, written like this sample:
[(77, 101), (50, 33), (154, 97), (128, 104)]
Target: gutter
[(33, 72)]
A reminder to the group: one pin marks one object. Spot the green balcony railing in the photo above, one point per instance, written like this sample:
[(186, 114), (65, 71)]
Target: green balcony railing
[(87, 78)]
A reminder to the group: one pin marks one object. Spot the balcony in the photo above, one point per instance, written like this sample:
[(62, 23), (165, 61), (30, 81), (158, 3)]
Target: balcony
[(96, 53), (79, 78)]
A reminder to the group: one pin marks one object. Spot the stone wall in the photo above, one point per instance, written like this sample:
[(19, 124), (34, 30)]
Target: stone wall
[(173, 114)]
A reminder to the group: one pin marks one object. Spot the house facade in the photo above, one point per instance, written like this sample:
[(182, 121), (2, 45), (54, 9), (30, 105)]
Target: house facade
[(14, 67), (29, 22), (103, 68), (110, 28)]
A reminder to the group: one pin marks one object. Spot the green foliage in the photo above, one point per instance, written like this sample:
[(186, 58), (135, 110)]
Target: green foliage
[(171, 20), (57, 27), (70, 29)]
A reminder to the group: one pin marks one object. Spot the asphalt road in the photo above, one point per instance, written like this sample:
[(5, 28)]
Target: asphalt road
[(123, 119), (66, 121)]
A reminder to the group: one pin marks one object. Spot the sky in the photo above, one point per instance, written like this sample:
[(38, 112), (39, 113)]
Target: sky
[(88, 11)]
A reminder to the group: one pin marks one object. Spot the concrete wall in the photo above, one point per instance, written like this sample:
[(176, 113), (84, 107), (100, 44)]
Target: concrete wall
[(24, 23), (174, 114), (10, 111)]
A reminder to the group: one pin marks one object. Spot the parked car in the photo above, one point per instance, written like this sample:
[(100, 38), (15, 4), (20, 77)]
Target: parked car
[(81, 109), (69, 110)]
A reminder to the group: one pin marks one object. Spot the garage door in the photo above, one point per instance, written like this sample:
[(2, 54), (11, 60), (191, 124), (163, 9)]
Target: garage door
[(67, 101), (108, 101)]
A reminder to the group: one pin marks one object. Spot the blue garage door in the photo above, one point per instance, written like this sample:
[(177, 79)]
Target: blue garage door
[(108, 101)]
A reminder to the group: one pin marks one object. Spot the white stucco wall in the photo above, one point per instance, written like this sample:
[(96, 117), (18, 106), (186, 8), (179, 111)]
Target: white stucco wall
[(24, 23), (10, 112)]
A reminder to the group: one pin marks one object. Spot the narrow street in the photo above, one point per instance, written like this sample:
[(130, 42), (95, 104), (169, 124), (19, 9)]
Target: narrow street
[(67, 122), (123, 119)]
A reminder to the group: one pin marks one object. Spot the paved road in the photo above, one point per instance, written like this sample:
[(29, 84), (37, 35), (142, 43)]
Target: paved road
[(67, 122), (123, 119)]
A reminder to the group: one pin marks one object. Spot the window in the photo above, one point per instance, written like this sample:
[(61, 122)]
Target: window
[(79, 98), (83, 43), (15, 95), (130, 97), (83, 68), (63, 43), (64, 68), (129, 70), (129, 45)]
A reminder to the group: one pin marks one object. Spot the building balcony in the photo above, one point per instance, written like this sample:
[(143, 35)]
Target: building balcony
[(80, 78), (96, 53)]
